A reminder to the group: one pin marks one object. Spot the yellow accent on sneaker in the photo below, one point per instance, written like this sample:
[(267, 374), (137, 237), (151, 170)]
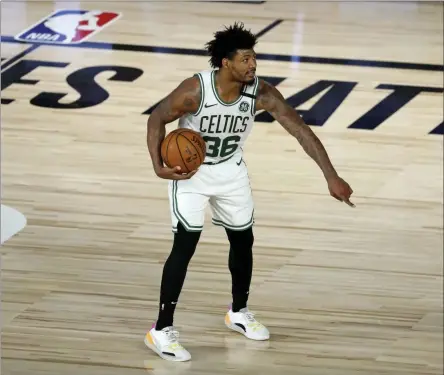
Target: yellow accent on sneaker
[(227, 319), (165, 343), (245, 323), (149, 338), (256, 326)]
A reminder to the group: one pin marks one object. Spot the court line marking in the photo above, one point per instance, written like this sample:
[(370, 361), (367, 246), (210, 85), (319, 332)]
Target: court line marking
[(268, 28), (260, 56), (20, 55)]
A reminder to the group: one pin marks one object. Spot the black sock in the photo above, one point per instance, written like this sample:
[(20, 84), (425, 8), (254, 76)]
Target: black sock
[(241, 265), (174, 273), (166, 314)]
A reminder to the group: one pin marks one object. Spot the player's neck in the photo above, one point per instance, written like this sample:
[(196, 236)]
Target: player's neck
[(228, 89)]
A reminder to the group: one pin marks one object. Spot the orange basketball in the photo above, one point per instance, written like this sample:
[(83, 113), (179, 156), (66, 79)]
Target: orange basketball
[(184, 148)]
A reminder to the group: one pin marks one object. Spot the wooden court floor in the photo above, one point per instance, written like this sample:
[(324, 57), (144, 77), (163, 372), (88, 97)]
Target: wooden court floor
[(343, 291)]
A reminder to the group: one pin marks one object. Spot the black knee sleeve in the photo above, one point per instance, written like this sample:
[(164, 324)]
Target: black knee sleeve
[(241, 239), (185, 243)]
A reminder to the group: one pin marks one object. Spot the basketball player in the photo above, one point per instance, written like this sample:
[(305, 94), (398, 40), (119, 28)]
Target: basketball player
[(220, 104)]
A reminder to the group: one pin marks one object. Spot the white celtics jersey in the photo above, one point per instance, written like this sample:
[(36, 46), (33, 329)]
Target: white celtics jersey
[(224, 126)]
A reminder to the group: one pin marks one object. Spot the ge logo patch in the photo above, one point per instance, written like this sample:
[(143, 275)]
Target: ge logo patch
[(243, 107)]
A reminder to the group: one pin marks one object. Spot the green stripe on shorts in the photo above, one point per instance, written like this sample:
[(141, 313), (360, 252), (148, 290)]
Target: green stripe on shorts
[(188, 227)]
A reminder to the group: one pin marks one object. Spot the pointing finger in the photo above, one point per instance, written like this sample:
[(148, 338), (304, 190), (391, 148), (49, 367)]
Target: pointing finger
[(346, 200)]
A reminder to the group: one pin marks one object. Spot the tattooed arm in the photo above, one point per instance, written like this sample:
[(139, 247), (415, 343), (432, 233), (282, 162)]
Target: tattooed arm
[(182, 100), (271, 100)]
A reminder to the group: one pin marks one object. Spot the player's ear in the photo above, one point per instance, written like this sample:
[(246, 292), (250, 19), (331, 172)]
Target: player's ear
[(225, 62)]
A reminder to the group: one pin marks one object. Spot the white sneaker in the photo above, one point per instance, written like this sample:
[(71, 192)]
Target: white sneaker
[(245, 323), (166, 344)]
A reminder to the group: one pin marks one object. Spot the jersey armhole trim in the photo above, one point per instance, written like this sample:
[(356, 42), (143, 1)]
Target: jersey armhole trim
[(253, 101), (202, 94)]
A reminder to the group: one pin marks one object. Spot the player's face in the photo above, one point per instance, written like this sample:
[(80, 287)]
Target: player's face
[(243, 66)]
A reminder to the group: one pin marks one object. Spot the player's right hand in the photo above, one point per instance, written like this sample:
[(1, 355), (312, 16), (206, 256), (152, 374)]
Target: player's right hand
[(174, 173)]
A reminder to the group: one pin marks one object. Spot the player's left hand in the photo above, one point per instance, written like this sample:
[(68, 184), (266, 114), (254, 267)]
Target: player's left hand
[(340, 190)]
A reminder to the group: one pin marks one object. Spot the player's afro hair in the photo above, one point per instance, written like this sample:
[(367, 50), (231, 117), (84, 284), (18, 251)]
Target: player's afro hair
[(226, 43)]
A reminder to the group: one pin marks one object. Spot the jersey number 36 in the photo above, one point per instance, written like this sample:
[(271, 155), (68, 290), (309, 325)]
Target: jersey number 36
[(217, 147)]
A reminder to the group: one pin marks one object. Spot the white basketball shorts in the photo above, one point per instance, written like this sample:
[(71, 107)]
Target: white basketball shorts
[(225, 187)]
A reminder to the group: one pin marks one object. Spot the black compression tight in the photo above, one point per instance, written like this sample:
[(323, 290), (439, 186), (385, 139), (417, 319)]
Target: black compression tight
[(175, 269), (240, 263), (174, 273)]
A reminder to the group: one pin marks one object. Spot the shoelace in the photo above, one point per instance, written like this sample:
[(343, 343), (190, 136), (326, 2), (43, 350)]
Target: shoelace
[(172, 334), (173, 338), (250, 317), (253, 323)]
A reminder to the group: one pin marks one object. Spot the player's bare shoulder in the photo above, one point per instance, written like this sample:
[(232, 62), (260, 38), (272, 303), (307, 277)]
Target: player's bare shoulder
[(184, 99), (267, 96), (189, 94)]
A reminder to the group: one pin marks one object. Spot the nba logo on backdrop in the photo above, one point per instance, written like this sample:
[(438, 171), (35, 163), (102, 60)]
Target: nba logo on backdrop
[(68, 26)]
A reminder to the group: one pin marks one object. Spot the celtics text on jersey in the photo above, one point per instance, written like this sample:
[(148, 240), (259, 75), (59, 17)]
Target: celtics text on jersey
[(223, 126)]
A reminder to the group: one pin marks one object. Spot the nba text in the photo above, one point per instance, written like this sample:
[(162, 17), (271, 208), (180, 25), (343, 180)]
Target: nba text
[(334, 94)]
